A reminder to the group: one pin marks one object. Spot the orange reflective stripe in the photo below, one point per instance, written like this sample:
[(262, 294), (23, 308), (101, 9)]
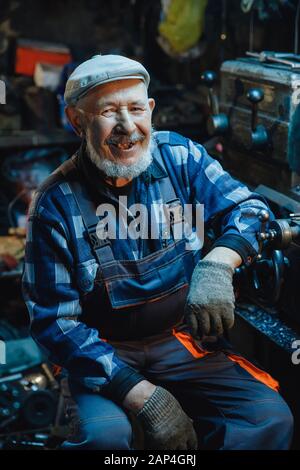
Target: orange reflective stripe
[(56, 370), (189, 343), (258, 374)]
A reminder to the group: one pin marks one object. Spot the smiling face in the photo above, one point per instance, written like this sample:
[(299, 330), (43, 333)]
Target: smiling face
[(116, 120)]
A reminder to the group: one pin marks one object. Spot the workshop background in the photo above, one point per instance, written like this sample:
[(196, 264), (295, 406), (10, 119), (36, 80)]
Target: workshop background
[(203, 82)]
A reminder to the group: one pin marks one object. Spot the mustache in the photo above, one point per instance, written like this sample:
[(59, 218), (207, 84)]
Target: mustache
[(125, 139)]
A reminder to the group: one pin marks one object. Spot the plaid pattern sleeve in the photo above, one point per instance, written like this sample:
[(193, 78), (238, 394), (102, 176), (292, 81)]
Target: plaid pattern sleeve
[(53, 302), (199, 178), (229, 201)]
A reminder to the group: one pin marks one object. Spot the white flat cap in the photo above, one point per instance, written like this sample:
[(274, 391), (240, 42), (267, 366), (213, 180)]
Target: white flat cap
[(102, 69)]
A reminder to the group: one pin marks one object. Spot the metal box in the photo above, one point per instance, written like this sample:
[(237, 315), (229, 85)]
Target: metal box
[(278, 163)]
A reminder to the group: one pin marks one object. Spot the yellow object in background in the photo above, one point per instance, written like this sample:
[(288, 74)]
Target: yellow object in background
[(183, 25)]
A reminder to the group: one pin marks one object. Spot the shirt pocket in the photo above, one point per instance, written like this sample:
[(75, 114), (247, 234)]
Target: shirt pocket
[(86, 273)]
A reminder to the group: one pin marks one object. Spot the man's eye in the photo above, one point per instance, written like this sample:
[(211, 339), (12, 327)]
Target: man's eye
[(108, 112), (137, 109)]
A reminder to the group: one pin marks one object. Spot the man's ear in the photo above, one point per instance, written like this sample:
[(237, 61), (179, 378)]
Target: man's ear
[(74, 119), (151, 102)]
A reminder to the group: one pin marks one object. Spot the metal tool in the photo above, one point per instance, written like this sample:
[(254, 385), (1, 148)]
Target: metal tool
[(277, 57)]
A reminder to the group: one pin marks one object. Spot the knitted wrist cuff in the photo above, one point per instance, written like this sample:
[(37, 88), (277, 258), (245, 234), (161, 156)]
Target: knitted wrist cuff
[(224, 267), (157, 407)]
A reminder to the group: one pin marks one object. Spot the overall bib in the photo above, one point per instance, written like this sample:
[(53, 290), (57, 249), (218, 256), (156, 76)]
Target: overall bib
[(136, 297)]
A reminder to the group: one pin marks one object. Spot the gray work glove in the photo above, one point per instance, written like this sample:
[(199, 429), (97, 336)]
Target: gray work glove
[(209, 309), (165, 424)]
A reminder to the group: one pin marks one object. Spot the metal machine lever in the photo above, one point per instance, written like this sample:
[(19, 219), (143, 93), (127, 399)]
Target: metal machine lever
[(217, 122), (280, 233), (288, 59), (259, 134)]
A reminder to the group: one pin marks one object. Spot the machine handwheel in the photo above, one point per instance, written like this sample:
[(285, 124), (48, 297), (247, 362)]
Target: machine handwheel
[(267, 277)]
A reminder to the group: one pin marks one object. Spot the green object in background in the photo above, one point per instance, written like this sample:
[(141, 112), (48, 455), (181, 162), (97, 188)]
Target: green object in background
[(183, 25)]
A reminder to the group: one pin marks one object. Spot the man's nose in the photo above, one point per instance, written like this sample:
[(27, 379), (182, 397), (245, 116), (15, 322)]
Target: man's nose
[(125, 121)]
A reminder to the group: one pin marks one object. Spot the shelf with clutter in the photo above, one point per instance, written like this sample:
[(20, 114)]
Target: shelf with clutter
[(35, 136), (32, 104)]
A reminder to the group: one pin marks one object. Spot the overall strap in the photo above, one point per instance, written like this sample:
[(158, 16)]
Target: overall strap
[(169, 197), (101, 247), (166, 186)]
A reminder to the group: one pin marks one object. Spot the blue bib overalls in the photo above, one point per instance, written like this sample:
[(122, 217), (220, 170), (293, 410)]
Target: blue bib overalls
[(233, 404)]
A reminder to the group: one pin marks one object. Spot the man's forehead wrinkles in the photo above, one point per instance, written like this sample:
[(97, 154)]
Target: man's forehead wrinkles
[(120, 101), (137, 93)]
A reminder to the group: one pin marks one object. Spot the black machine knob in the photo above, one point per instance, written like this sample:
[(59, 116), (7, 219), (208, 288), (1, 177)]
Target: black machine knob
[(209, 78), (259, 134), (255, 95), (217, 123)]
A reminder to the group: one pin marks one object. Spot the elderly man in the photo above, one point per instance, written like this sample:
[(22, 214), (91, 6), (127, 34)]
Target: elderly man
[(136, 320)]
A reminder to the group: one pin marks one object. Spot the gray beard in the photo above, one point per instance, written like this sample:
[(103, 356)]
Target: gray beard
[(119, 170)]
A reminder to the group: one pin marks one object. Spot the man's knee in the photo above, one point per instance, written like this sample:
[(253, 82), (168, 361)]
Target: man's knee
[(281, 422), (273, 423), (107, 433), (101, 433)]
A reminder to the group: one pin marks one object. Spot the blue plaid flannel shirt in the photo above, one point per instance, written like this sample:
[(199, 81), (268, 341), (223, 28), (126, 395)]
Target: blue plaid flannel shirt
[(60, 267)]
